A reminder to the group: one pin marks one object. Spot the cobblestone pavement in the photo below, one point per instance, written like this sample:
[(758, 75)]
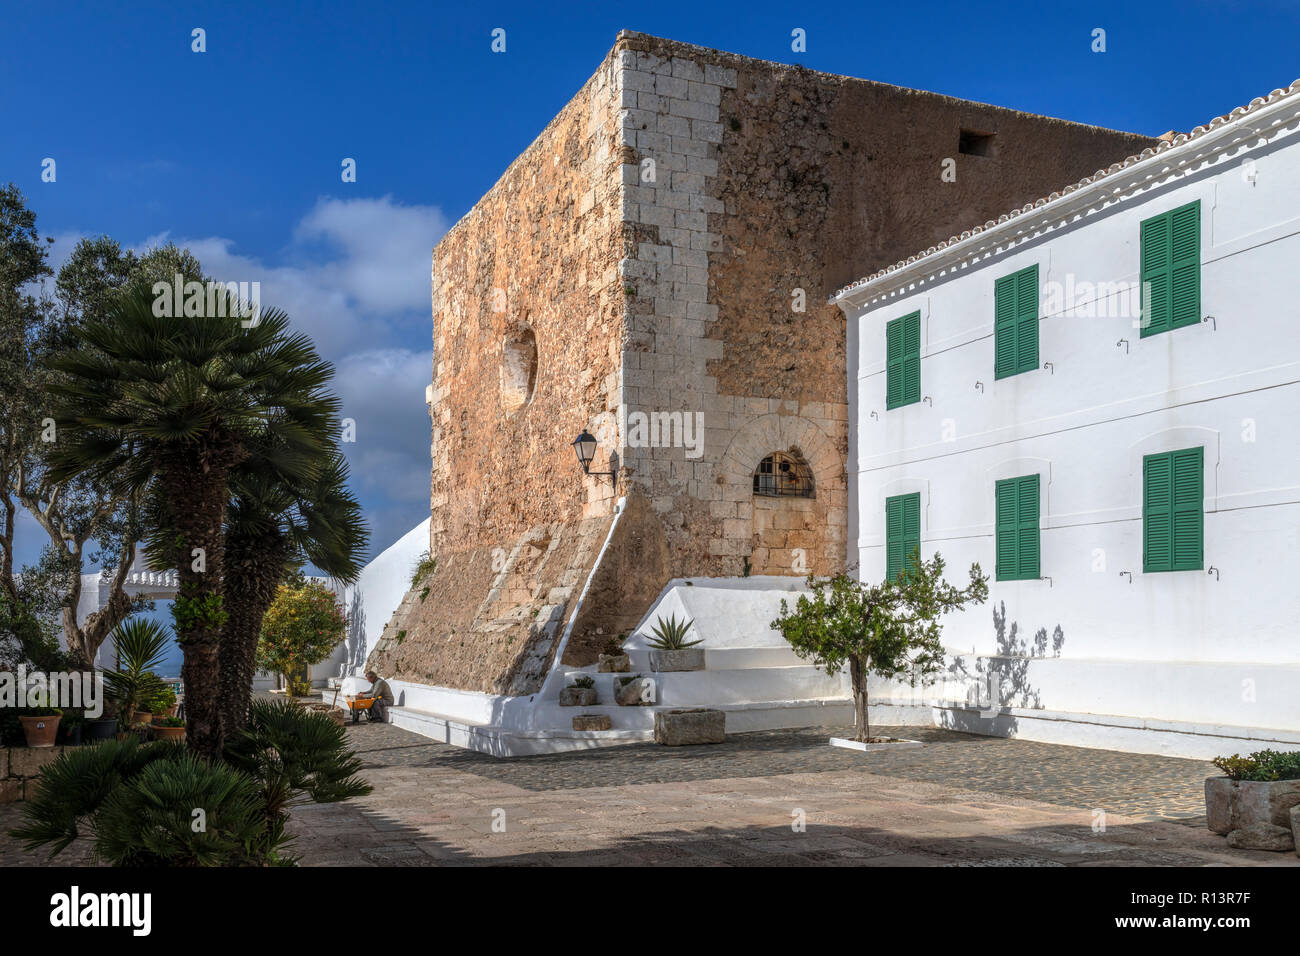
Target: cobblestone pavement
[(1134, 784), (961, 800)]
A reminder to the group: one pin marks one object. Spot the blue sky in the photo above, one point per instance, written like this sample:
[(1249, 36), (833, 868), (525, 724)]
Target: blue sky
[(236, 152)]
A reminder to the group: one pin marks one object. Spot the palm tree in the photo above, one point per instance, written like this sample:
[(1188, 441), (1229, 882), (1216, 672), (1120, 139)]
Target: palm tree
[(182, 400), (272, 527)]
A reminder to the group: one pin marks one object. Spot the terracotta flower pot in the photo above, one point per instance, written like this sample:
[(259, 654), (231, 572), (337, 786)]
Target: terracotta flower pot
[(40, 731), (169, 733)]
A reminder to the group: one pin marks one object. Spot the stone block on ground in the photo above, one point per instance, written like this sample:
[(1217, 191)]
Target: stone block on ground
[(1262, 836), (687, 727)]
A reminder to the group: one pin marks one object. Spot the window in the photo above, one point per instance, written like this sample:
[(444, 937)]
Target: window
[(902, 531), (903, 361), (1016, 529), (1172, 517), (783, 475), (1015, 323), (1171, 270)]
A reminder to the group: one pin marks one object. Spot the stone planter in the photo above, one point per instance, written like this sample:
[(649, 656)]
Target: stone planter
[(1295, 827), (169, 733), (592, 722), (640, 692), (578, 697), (685, 728), (1236, 804), (613, 664), (41, 731), (686, 659)]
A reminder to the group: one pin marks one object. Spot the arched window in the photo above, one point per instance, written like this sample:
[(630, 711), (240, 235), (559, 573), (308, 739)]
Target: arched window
[(783, 475)]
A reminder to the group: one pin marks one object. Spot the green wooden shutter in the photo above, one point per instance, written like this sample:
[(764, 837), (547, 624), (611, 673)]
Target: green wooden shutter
[(1185, 269), (1173, 518), (903, 361), (902, 531), (1188, 509), (912, 358), (1015, 323), (1016, 528), (1171, 269), (1005, 530), (1027, 527)]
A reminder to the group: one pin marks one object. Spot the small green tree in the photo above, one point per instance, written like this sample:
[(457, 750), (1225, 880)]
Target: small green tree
[(890, 629), (302, 626)]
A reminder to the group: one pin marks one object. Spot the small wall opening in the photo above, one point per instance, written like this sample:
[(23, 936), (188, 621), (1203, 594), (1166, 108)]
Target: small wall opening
[(976, 143), (518, 369)]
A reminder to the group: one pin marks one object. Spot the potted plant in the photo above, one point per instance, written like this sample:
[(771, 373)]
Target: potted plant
[(141, 646), (581, 693), (671, 651), (1261, 788), (40, 725), (103, 727), (71, 727), (613, 659), (169, 728)]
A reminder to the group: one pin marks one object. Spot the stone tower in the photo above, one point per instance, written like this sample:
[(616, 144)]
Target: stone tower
[(655, 268)]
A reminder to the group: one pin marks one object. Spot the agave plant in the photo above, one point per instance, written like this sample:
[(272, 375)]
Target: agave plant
[(670, 635)]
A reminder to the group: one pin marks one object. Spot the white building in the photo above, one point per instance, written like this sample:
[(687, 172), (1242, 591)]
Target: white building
[(1125, 469)]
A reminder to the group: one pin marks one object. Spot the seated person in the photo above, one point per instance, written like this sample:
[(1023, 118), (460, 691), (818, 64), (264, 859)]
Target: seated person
[(382, 695)]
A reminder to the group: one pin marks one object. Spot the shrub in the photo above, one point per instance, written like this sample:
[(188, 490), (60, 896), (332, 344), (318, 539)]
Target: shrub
[(1262, 765), (425, 565), (161, 701), (138, 800), (670, 635), (76, 784), (613, 647), (584, 682), (150, 820), (296, 756)]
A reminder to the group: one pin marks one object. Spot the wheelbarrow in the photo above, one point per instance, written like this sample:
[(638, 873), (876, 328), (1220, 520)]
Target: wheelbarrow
[(362, 705)]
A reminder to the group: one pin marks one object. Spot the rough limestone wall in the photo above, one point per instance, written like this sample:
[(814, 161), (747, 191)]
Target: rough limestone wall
[(528, 324), (772, 182)]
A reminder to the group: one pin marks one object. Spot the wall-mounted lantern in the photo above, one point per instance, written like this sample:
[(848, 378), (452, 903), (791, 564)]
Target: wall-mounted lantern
[(585, 448)]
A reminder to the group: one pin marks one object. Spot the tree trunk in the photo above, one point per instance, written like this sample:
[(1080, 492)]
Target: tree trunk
[(858, 675), (195, 480), (253, 571)]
